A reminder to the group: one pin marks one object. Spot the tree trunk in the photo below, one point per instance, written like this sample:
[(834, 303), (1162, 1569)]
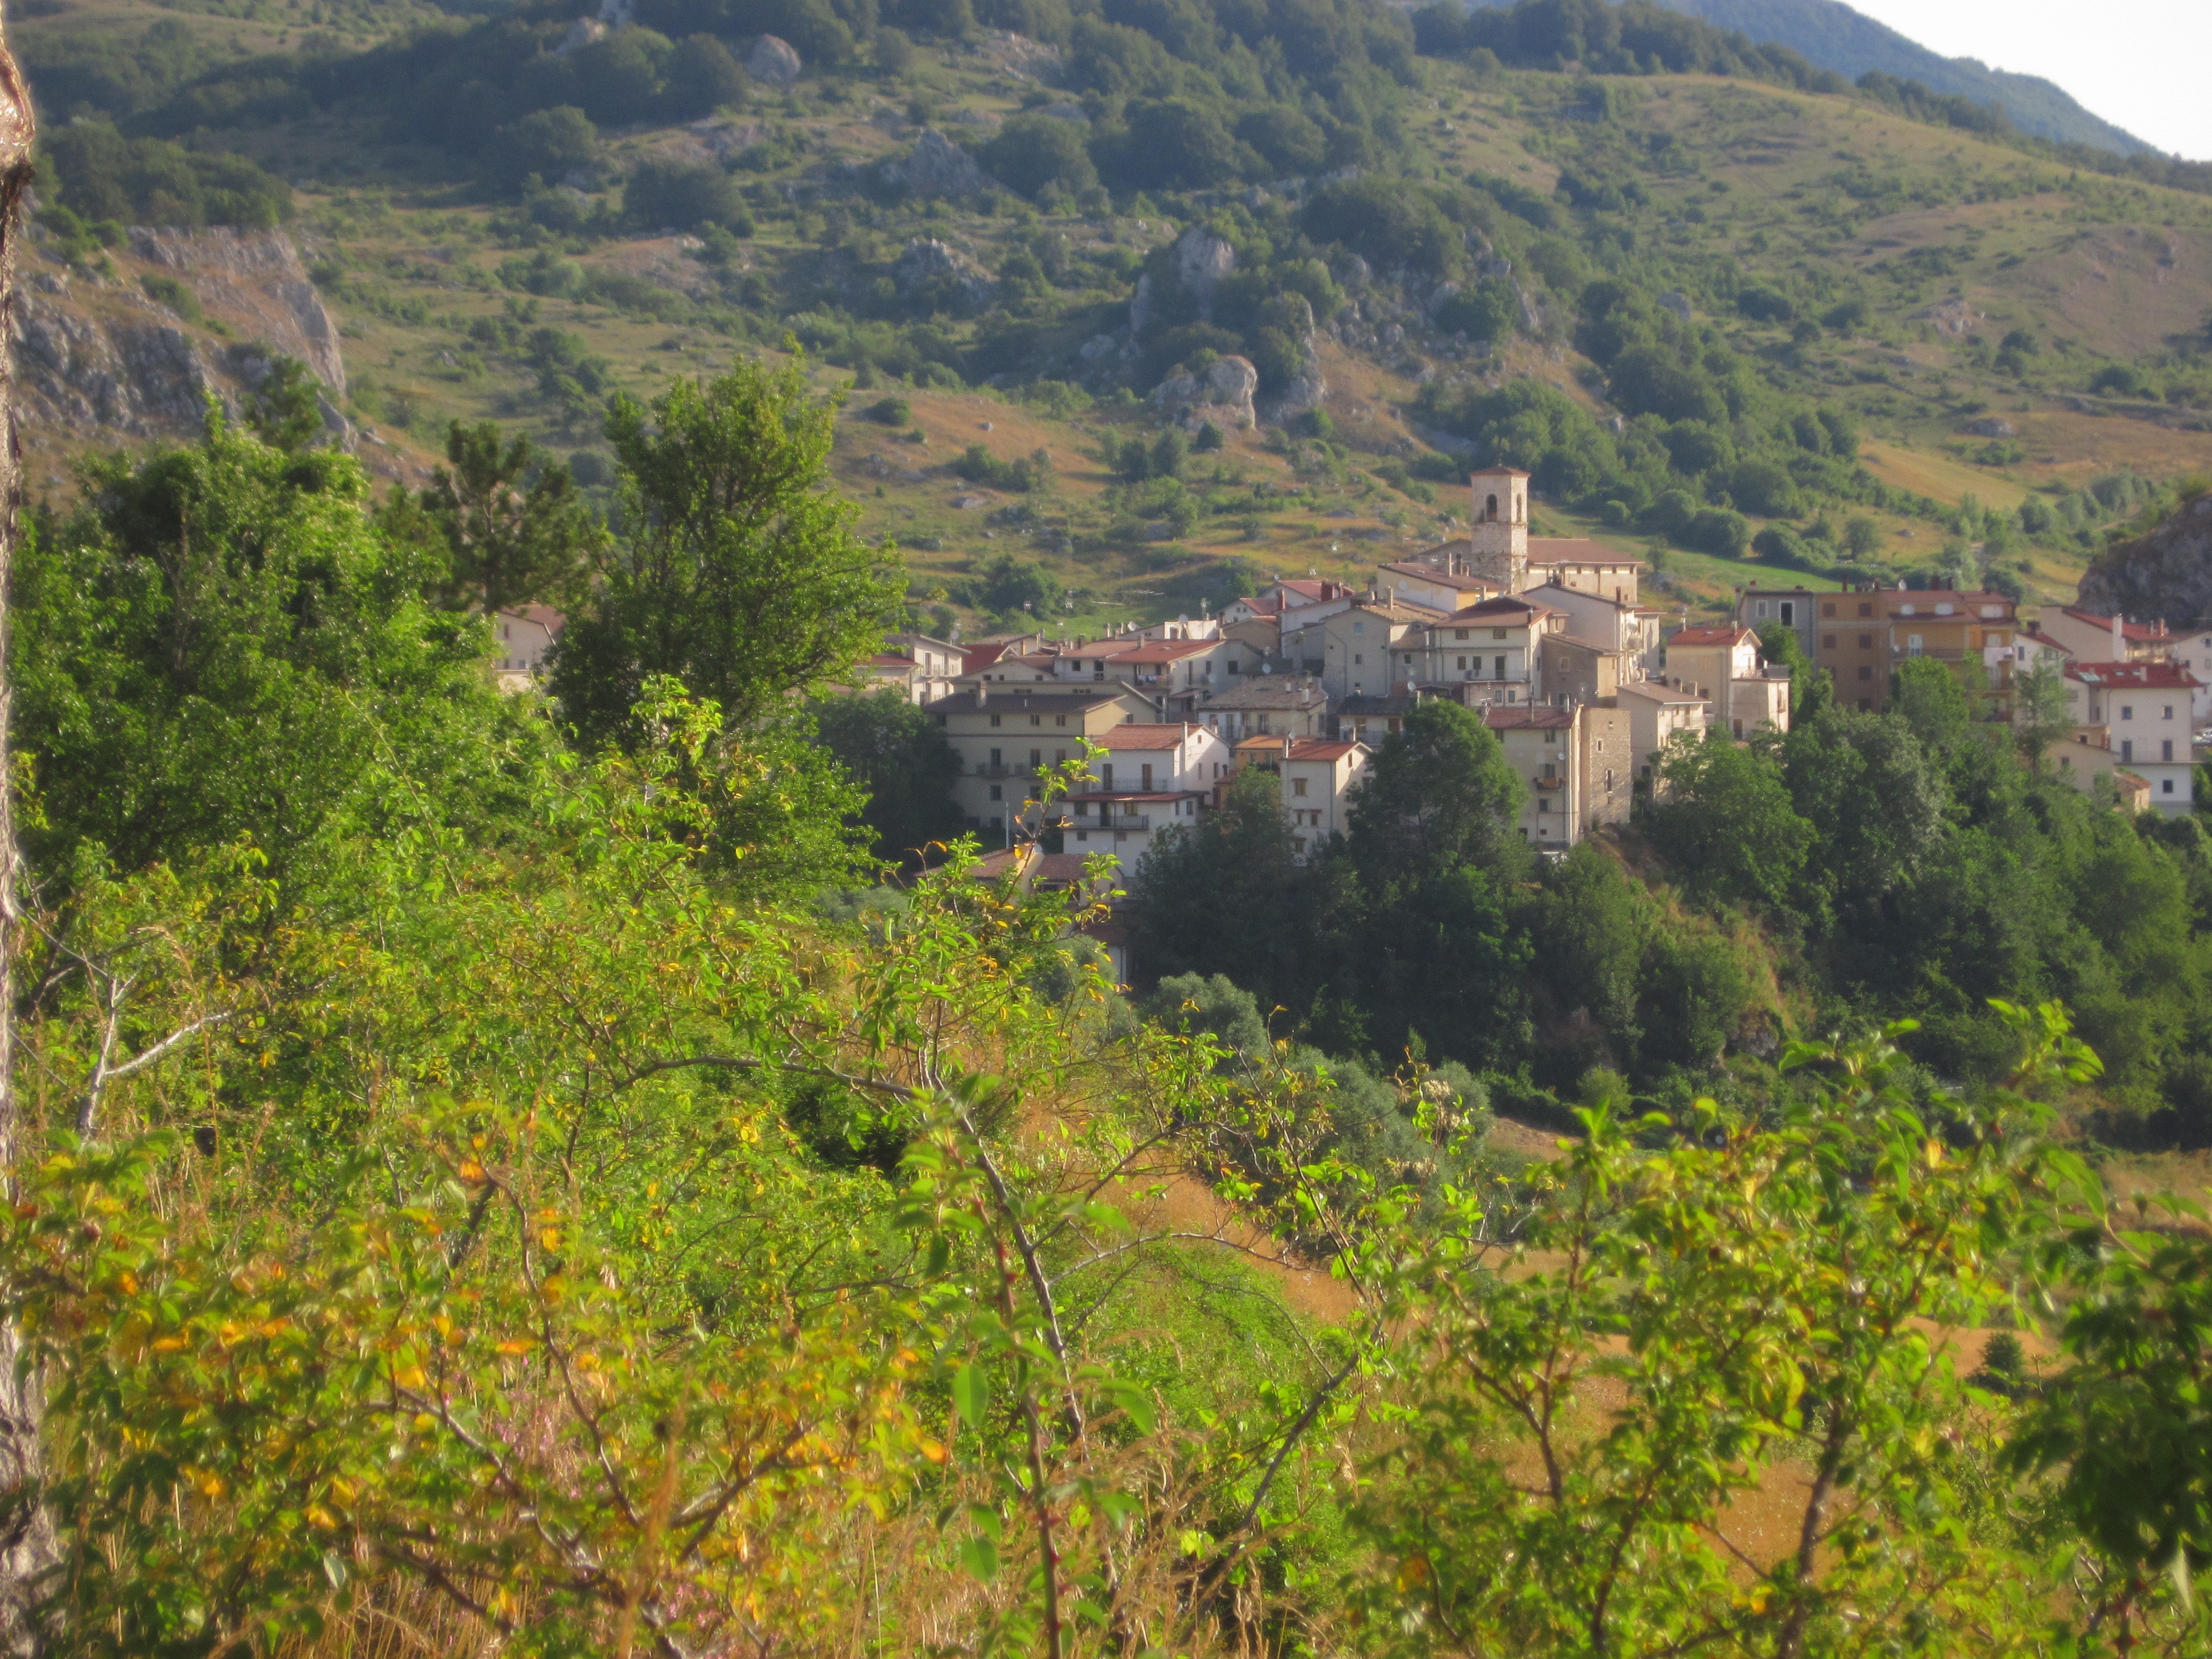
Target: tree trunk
[(26, 1538)]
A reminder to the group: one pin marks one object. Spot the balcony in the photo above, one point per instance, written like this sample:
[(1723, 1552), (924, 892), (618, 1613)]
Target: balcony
[(1142, 821), (1548, 783), (1934, 653)]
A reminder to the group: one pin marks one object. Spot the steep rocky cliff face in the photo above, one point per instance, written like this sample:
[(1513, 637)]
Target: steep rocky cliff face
[(2167, 573), (100, 358)]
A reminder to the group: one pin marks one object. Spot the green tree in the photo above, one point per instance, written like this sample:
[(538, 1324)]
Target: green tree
[(1226, 893), (2042, 713), (1724, 815), (285, 408), (894, 750), (1930, 700), (220, 644), (1876, 801), (1811, 687), (1439, 794), (737, 569), (510, 541)]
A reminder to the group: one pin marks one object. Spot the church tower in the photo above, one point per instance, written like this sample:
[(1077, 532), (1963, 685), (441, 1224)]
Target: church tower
[(1501, 528)]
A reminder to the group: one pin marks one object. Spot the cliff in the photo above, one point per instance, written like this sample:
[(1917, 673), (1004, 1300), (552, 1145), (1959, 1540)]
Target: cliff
[(102, 358), (2167, 573)]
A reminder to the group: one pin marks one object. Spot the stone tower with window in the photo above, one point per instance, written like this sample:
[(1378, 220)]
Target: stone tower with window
[(1500, 553)]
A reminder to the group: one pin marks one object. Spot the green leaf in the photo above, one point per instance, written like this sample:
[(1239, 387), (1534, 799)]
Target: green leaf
[(970, 1395), (980, 1557)]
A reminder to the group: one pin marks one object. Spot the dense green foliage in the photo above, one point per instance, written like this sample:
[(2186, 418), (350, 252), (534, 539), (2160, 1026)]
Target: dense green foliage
[(493, 1186), (735, 571), (220, 647)]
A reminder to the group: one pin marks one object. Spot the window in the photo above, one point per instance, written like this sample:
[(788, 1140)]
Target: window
[(1459, 633), (1036, 719), (2168, 714), (1060, 719), (1866, 641), (2127, 748), (2127, 711), (1409, 660), (2166, 786), (1357, 658), (1462, 664), (1866, 610), (1058, 756), (1037, 757), (995, 794), (1866, 704), (1148, 779), (1912, 645), (1865, 673), (1497, 633), (1762, 607), (1297, 786), (1235, 667), (1358, 627), (1497, 668), (1106, 779), (2166, 749), (1827, 609), (1827, 641), (1788, 613), (998, 758), (994, 720)]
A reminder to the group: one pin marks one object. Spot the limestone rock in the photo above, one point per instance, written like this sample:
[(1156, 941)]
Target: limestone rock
[(1221, 394), (927, 263), (581, 34), (2167, 573), (1203, 259), (775, 61), (938, 167), (1953, 317), (1991, 426), (132, 367)]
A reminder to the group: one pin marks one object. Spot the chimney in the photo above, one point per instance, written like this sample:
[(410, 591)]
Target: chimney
[(2119, 638)]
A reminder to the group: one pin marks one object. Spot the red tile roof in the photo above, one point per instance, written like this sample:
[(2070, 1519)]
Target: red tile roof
[(2143, 632), (1491, 609), (2133, 676), (1524, 716), (1141, 734), (1318, 749), (1712, 636)]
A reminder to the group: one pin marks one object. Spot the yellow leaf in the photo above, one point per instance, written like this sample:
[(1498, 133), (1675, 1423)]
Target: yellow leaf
[(1412, 1573), (933, 1450), (516, 1345)]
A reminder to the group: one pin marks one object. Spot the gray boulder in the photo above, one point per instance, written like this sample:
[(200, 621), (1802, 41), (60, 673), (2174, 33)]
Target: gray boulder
[(773, 60), (2167, 573), (926, 262), (1222, 393), (938, 167)]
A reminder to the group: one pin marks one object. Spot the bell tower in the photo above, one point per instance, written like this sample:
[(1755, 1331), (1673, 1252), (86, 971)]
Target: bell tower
[(1501, 528)]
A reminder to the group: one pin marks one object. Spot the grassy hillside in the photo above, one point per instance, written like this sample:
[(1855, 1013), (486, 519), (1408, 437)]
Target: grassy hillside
[(1911, 279), (1835, 37)]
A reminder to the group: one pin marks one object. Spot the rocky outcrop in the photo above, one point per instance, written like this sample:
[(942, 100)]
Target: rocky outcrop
[(775, 61), (938, 167), (2167, 573), (98, 357), (1203, 259), (1953, 317), (253, 277), (929, 264), (1221, 394), (1308, 386), (1991, 426)]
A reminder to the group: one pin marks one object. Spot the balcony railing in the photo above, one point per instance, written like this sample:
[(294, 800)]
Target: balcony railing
[(1938, 652), (1142, 821), (1549, 783)]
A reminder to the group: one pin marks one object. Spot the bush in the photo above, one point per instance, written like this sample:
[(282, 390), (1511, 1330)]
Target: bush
[(680, 195), (1032, 154), (704, 77), (1719, 531), (1212, 1005), (890, 411), (979, 465), (551, 144), (149, 181)]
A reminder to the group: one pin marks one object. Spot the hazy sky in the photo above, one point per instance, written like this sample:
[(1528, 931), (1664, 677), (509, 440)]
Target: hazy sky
[(2142, 65)]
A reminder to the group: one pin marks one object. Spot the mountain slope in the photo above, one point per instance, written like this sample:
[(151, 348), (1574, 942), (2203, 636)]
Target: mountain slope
[(1835, 37)]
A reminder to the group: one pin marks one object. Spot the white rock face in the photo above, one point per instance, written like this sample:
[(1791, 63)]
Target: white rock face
[(773, 60), (1222, 394), (133, 367), (938, 167), (927, 261), (1203, 259)]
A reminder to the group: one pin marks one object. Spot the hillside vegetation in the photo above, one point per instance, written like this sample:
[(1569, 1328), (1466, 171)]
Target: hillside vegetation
[(1791, 303)]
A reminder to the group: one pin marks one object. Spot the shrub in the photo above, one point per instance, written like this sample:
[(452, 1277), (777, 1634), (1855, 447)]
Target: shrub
[(683, 195), (552, 144)]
